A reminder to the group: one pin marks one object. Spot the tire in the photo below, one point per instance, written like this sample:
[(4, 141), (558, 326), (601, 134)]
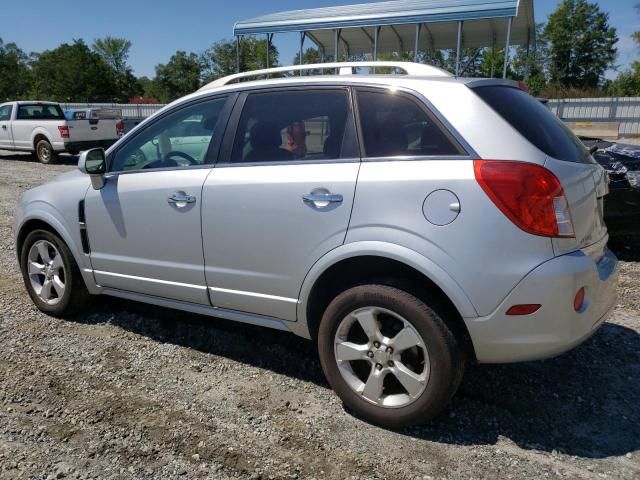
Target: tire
[(432, 368), (58, 269), (45, 153)]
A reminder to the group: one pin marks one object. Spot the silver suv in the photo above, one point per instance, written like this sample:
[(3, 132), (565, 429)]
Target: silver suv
[(407, 223)]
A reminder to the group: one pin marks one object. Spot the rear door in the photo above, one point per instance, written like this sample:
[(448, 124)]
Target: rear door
[(583, 179), (280, 199), (5, 126)]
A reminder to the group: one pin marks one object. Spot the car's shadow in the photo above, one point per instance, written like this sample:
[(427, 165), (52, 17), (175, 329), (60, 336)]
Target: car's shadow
[(582, 403), (64, 159)]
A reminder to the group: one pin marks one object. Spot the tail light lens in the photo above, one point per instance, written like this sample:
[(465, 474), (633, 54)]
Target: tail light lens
[(64, 131), (120, 128), (527, 194)]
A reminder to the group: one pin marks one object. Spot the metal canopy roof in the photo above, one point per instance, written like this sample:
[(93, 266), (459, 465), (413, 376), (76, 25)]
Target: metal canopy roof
[(485, 24)]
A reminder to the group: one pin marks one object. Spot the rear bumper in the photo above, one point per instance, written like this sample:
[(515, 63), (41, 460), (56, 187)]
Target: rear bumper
[(87, 145), (556, 327)]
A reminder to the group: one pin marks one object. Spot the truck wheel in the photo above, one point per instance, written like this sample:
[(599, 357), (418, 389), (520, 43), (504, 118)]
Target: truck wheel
[(51, 274), (389, 357), (45, 153)]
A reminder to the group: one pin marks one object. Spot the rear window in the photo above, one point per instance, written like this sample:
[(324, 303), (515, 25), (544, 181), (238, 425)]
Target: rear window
[(40, 112), (535, 122)]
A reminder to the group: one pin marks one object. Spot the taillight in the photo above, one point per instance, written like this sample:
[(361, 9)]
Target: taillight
[(120, 128), (64, 131), (529, 195)]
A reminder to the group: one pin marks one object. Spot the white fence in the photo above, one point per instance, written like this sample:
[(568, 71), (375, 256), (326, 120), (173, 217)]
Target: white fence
[(624, 110), (129, 110)]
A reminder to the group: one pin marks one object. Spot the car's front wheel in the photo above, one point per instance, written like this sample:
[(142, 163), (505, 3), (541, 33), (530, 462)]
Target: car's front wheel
[(51, 275), (390, 358)]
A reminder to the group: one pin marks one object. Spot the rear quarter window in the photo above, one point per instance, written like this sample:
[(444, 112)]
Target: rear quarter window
[(394, 124), (535, 122)]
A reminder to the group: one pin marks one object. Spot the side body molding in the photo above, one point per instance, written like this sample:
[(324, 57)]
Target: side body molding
[(387, 250)]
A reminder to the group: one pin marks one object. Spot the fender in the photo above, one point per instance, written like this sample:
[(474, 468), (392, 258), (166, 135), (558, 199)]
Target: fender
[(40, 131), (380, 249), (47, 213)]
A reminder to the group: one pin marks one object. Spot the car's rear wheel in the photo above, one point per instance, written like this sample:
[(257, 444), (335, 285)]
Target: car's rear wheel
[(45, 152), (51, 275), (389, 357)]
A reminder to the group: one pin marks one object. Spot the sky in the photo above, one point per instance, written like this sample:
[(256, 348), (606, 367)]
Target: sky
[(158, 28)]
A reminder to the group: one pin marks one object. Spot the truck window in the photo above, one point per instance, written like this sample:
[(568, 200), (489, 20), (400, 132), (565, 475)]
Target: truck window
[(5, 113), (40, 112)]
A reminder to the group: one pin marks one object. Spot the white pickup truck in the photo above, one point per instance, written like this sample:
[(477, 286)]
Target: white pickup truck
[(41, 127)]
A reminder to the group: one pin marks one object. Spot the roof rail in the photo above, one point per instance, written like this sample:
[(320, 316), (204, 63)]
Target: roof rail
[(345, 68)]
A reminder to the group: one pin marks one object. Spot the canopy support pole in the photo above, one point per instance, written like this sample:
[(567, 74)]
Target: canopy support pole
[(376, 34), (303, 35), (337, 44), (238, 37), (458, 47), (528, 65), (506, 49), (417, 45), (493, 54), (269, 38)]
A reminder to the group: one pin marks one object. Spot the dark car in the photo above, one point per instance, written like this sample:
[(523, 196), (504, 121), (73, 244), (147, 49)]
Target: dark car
[(622, 205)]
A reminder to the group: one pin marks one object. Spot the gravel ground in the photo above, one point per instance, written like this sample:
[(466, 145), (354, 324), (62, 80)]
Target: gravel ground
[(131, 391)]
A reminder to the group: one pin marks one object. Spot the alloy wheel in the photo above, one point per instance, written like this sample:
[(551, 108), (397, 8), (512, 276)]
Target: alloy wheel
[(382, 357), (46, 272)]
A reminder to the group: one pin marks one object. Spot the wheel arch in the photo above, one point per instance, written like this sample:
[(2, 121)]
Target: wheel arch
[(45, 220), (39, 134), (394, 265)]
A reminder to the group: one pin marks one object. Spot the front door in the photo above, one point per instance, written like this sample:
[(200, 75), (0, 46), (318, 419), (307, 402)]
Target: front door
[(5, 126), (280, 200), (144, 225)]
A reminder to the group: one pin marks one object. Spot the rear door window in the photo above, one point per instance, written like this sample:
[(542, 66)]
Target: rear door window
[(535, 122), (394, 124), (295, 126), (40, 112)]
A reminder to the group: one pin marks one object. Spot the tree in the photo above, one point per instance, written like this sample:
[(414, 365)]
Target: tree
[(219, 60), (636, 35), (581, 44), (529, 64), (72, 72), (309, 56), (15, 76), (178, 77), (628, 83), (115, 53)]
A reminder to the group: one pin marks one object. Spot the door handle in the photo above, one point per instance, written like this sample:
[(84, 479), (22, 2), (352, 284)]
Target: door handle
[(321, 199), (4, 127), (181, 199)]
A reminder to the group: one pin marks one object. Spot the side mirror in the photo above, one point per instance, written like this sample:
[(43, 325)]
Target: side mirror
[(94, 163)]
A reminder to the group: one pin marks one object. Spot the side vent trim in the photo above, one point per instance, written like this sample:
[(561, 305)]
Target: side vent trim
[(84, 238)]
